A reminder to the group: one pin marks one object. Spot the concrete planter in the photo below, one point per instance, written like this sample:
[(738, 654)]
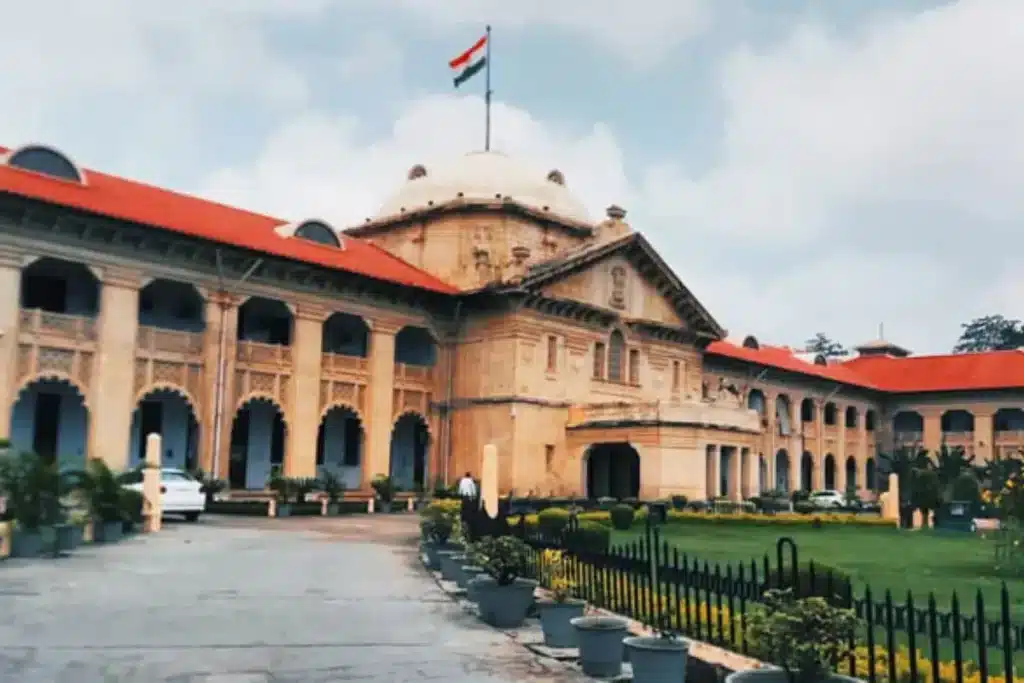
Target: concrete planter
[(776, 675), (445, 563), (556, 621), (599, 640), (432, 550), (107, 532), (27, 543), (504, 606), (657, 660), (383, 507), (283, 510), (332, 509), (64, 538), (472, 574)]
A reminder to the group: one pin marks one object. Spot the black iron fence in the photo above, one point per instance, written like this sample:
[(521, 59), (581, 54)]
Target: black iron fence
[(903, 638)]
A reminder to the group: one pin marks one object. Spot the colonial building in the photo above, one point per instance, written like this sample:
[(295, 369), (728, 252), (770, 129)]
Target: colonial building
[(481, 305)]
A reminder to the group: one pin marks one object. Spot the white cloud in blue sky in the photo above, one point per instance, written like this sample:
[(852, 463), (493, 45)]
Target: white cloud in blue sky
[(804, 166)]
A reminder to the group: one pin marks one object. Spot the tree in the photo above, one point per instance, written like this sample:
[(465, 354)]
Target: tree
[(990, 333), (925, 491), (822, 345), (950, 463), (902, 462)]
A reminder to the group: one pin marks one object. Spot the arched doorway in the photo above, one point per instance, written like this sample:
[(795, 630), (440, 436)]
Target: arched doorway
[(410, 439), (782, 470), (167, 413), (50, 419), (257, 443), (339, 445), (851, 474), (612, 471), (830, 472), (807, 471)]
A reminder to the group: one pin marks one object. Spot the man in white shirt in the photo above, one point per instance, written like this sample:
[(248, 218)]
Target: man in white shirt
[(467, 487)]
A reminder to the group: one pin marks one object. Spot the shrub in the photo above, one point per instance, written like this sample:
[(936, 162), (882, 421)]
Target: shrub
[(552, 521), (803, 507), (331, 484), (504, 558), (605, 503), (966, 487), (805, 636), (382, 487), (622, 516), (814, 580), (679, 502), (589, 537)]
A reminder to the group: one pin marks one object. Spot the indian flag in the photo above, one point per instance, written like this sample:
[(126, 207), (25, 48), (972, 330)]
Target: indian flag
[(470, 62)]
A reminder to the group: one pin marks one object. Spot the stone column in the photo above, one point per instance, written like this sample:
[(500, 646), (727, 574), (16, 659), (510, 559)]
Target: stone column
[(932, 437), (111, 397), (711, 464), (219, 373), (735, 474), (10, 314), (984, 435), (796, 458), (380, 412), (862, 450), (303, 417)]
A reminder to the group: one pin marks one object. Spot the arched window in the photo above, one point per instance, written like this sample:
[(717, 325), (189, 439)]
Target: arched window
[(315, 231), (616, 348), (46, 161)]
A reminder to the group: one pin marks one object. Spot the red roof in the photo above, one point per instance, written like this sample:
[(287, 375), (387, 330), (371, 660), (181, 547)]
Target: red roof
[(128, 200), (954, 372), (782, 358)]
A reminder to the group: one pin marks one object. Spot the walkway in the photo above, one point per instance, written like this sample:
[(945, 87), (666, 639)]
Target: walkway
[(239, 601)]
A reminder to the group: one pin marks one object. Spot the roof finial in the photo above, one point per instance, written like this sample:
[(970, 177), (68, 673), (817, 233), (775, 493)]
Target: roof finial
[(881, 331)]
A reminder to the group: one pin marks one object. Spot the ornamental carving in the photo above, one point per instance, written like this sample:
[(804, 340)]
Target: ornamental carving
[(618, 294)]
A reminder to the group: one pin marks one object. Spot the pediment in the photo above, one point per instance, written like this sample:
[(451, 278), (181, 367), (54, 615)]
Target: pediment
[(627, 277)]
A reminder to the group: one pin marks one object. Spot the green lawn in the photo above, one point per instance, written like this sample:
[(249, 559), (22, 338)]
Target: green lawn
[(921, 561)]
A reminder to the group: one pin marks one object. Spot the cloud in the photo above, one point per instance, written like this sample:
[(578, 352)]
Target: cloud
[(642, 31), (859, 180)]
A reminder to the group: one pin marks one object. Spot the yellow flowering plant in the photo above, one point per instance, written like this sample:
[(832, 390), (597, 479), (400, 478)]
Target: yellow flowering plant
[(555, 575)]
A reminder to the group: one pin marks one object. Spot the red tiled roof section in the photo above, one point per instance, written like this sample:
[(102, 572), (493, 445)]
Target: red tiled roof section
[(139, 203), (782, 358), (954, 372)]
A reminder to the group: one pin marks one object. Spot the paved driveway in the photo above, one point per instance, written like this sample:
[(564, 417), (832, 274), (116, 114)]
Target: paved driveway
[(244, 602)]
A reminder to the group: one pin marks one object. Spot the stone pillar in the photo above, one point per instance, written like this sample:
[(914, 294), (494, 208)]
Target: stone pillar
[(219, 352), (841, 450), (153, 505), (932, 437), (711, 464), (304, 405), (489, 480), (10, 314), (862, 451), (796, 459), (380, 413), (735, 474), (984, 435), (111, 398), (841, 474)]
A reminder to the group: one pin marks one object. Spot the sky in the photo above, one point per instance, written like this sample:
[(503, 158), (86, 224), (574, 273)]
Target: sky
[(803, 166)]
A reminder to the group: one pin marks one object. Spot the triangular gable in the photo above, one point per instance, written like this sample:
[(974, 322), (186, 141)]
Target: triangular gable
[(628, 276)]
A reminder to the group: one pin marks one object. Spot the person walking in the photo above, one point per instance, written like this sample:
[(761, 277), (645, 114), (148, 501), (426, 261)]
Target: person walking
[(467, 487)]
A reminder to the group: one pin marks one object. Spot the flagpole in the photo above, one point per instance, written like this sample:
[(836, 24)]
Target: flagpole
[(487, 95)]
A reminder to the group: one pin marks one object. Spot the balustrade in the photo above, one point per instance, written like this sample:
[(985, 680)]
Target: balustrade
[(80, 329), (258, 353), (153, 340)]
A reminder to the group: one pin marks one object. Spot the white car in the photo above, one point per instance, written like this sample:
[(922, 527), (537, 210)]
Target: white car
[(828, 499), (181, 493)]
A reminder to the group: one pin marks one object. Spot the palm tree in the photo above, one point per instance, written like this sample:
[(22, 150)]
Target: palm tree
[(994, 473), (950, 463), (902, 462)]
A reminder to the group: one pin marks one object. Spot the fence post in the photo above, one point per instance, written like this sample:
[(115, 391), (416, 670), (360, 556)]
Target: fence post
[(780, 545)]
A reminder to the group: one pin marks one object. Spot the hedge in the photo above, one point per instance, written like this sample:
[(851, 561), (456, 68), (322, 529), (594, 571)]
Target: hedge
[(750, 519)]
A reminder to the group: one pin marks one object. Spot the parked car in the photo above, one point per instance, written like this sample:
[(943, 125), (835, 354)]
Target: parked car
[(180, 492), (829, 499)]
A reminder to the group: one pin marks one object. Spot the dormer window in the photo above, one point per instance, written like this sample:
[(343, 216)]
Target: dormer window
[(45, 161), (319, 232)]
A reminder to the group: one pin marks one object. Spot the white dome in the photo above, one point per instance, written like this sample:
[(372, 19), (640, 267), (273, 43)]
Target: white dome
[(485, 177)]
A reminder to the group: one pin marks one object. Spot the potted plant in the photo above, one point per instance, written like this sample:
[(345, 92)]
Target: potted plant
[(334, 488), (806, 638), (211, 486), (600, 642), (438, 528), (32, 488), (131, 505), (657, 659), (282, 489), (104, 499), (504, 595), (557, 613), (383, 491)]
